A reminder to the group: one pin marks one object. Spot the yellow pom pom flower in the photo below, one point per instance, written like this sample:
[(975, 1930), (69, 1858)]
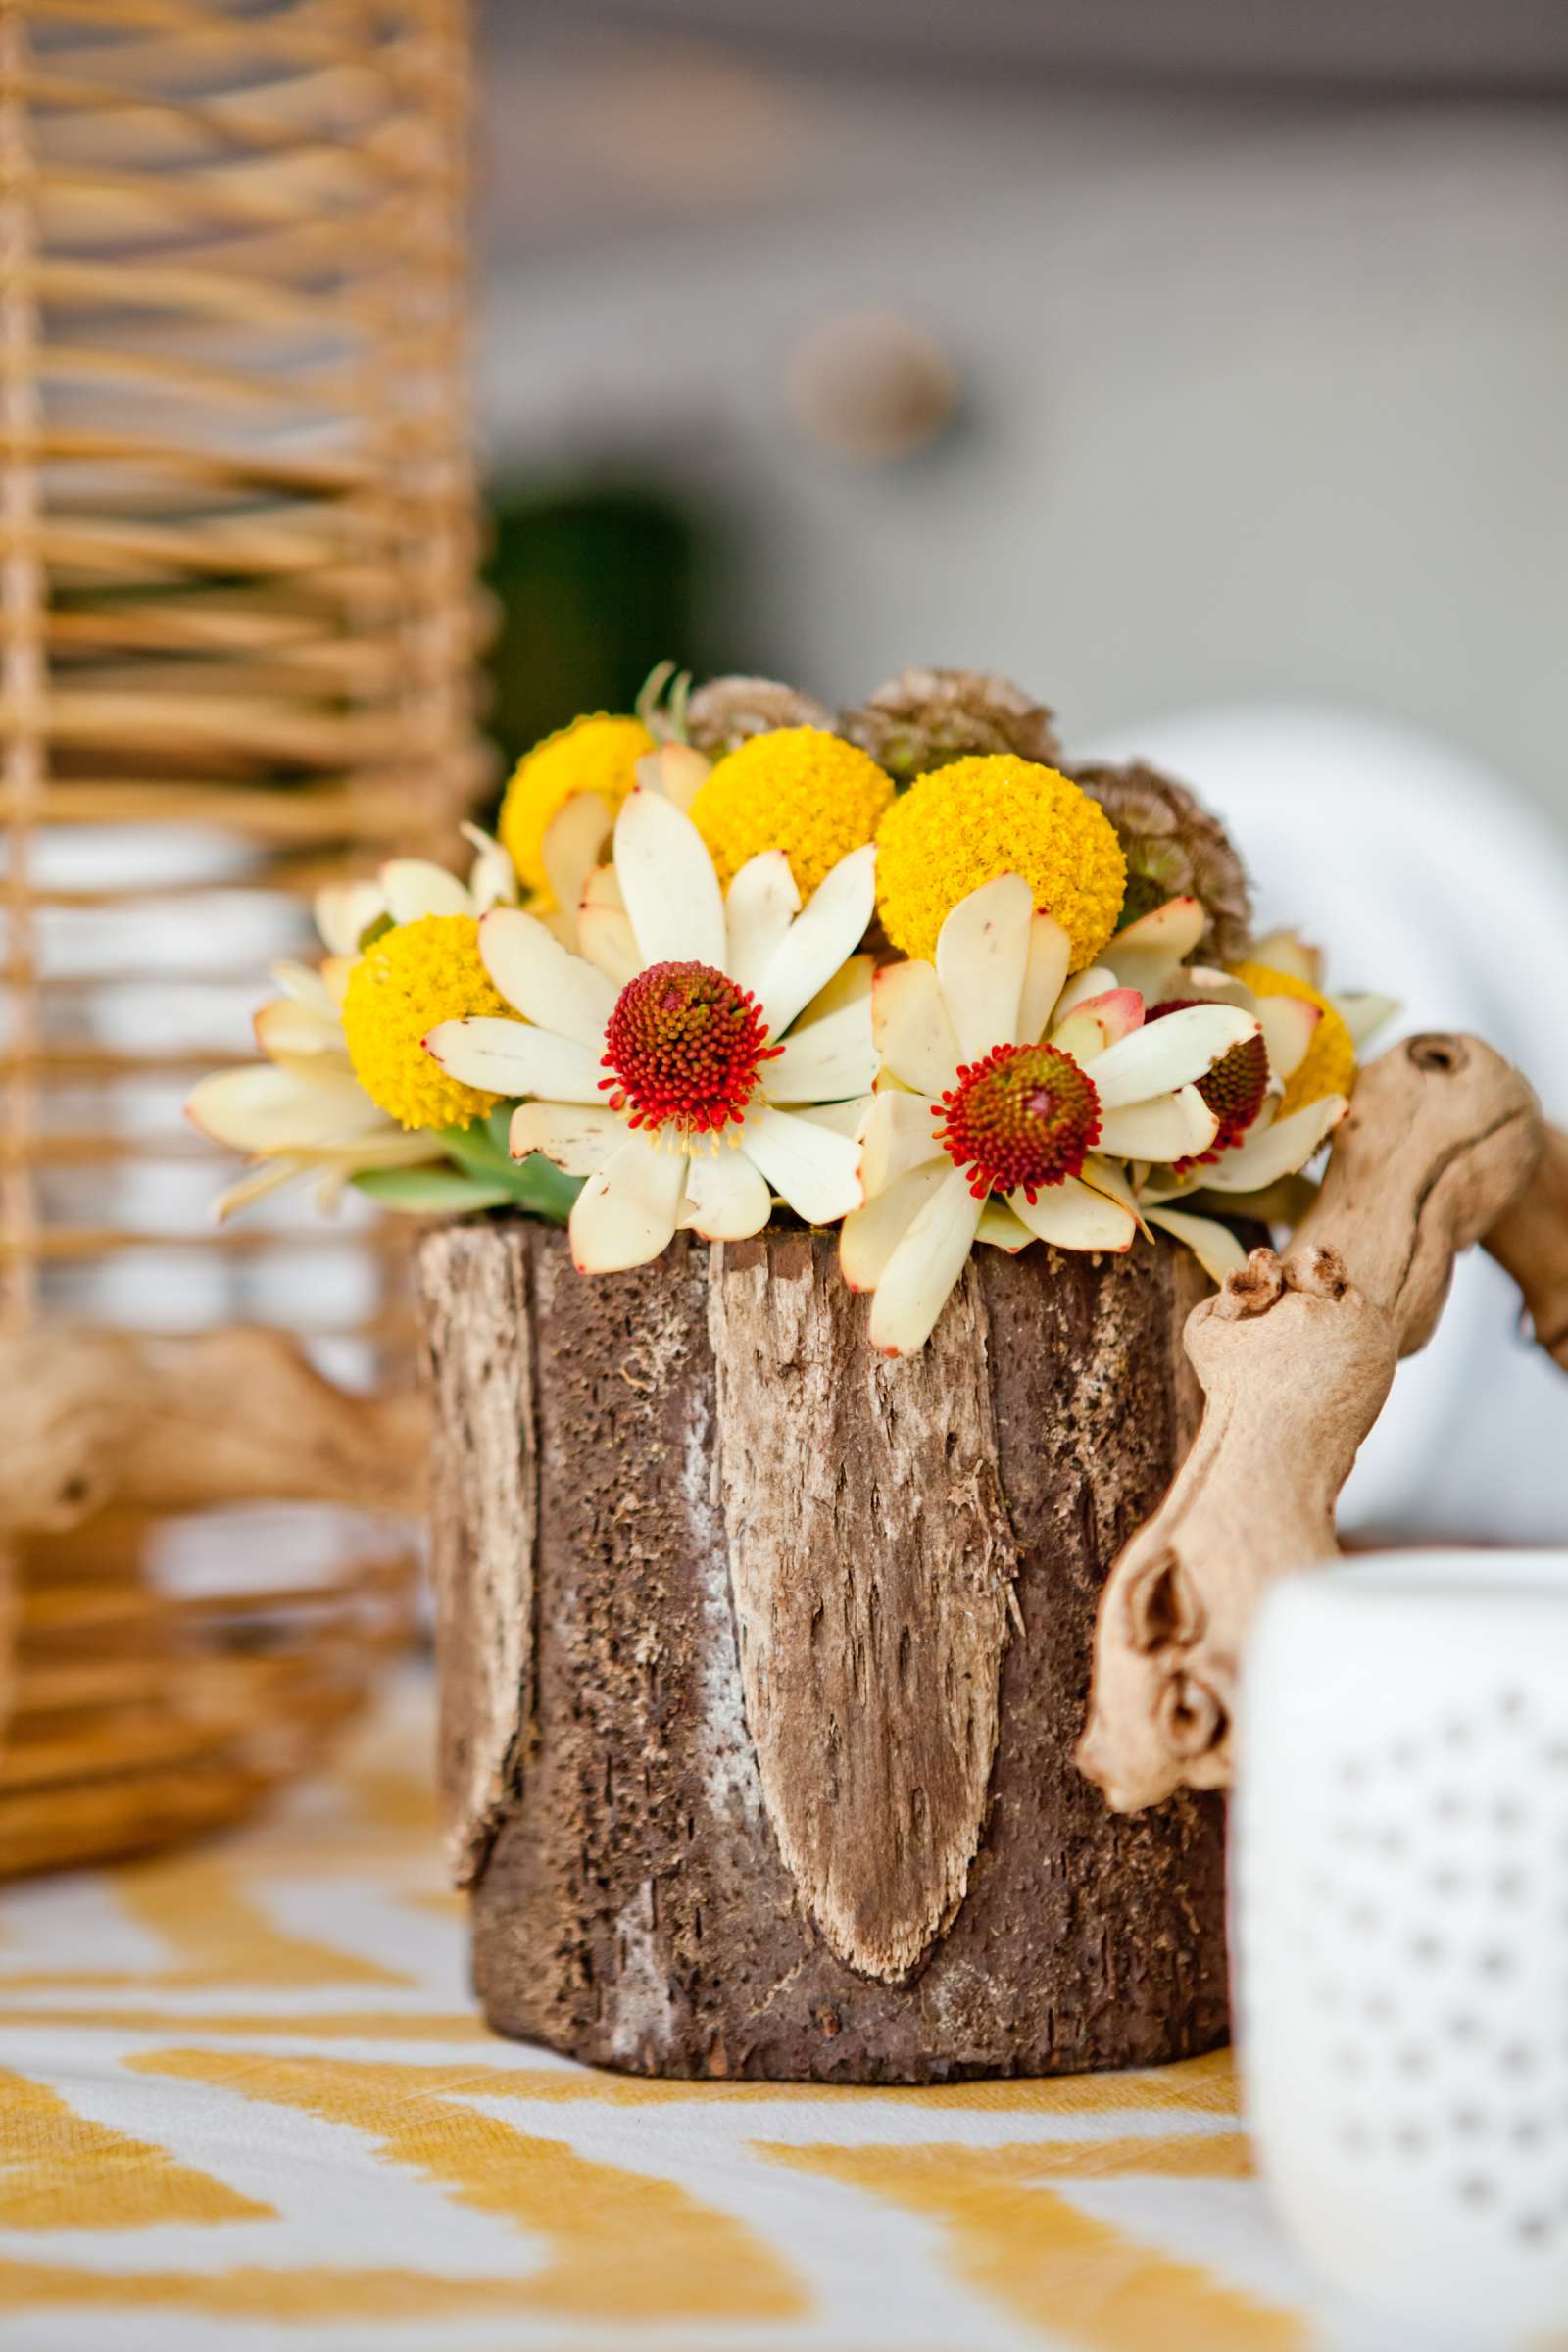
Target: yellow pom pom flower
[(406, 983), (796, 789), (593, 754), (1328, 1066), (963, 824)]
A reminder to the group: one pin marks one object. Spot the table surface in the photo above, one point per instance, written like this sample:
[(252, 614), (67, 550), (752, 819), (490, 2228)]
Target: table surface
[(245, 2102)]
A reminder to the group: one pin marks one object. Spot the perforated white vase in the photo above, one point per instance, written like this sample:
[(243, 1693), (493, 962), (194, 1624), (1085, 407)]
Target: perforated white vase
[(1400, 1915)]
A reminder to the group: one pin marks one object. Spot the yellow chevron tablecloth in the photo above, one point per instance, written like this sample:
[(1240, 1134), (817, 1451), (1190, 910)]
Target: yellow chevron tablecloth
[(245, 2102)]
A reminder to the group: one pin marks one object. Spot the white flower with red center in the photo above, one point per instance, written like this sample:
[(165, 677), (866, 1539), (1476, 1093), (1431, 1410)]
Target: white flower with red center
[(1004, 1102), (697, 1057)]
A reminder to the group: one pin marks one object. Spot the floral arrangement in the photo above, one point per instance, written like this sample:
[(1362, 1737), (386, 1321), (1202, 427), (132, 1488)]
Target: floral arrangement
[(732, 957)]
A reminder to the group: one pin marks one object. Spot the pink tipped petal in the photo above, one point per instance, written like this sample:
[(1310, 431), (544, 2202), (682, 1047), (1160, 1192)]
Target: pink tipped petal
[(815, 1171), (574, 845), (823, 935), (544, 980), (826, 1063), (920, 1275), (626, 1214), (1070, 1216), (415, 888), (727, 1199), (910, 1025), (982, 954), (1280, 1151), (761, 904), (1171, 931), (577, 1138), (667, 879), (606, 940), (896, 1135), (1095, 981), (1098, 1023), (1001, 1229), (510, 1058), (1173, 1126), (1288, 1024), (1214, 1245), (1173, 1051), (869, 1236), (1045, 976)]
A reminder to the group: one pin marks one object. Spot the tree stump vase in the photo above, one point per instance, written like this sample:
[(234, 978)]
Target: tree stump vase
[(763, 1658)]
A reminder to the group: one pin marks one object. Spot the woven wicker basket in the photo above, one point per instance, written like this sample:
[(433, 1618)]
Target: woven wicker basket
[(236, 624)]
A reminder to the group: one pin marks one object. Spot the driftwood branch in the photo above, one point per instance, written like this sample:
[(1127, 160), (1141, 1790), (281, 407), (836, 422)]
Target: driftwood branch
[(93, 1417), (1530, 1241), (1296, 1361)]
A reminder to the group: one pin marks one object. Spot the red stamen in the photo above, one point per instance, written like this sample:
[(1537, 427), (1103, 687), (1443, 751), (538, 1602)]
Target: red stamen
[(683, 1047), (1020, 1120)]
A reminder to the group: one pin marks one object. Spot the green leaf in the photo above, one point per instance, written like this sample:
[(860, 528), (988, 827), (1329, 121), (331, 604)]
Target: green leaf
[(535, 1184), (430, 1191)]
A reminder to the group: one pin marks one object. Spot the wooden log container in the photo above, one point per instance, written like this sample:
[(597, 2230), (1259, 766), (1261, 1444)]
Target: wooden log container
[(764, 1659)]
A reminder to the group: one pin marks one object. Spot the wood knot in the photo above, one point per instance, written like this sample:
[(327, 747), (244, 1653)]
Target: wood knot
[(1443, 1055)]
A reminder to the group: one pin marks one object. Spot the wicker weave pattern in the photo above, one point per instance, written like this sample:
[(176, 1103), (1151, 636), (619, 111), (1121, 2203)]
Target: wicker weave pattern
[(236, 625)]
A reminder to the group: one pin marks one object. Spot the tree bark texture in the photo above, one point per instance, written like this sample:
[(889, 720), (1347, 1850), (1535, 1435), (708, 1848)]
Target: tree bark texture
[(764, 1659)]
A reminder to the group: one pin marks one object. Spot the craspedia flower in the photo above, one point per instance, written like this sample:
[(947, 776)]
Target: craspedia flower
[(1328, 1066), (1174, 849), (407, 982), (593, 754), (728, 711), (799, 790), (967, 822), (925, 717)]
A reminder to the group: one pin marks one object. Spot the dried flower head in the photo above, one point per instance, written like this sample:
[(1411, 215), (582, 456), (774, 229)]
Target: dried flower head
[(728, 711), (1174, 848), (925, 717)]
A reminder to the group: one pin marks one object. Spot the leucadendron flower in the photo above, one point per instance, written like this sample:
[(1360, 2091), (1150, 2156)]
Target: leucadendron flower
[(1007, 1104), (700, 1054)]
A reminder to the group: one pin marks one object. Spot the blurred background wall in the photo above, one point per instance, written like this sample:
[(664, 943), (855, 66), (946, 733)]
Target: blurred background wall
[(1218, 351)]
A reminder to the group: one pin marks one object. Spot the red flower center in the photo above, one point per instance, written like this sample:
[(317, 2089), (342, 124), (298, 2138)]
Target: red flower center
[(683, 1048), (1234, 1089), (1021, 1119)]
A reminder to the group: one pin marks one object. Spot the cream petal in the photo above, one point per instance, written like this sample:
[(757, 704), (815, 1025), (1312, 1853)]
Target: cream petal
[(1166, 934), (812, 1169), (982, 953), (1286, 951), (761, 904), (1171, 1126), (1288, 1024), (305, 984), (573, 846), (389, 1147), (1213, 1245), (512, 1058), (263, 1110), (1173, 1051), (344, 912), (1098, 1023), (269, 1177), (1106, 1176), (823, 935), (1001, 1229), (415, 888), (727, 1199), (910, 1025), (602, 889), (919, 1277), (667, 879), (851, 984), (896, 1135), (626, 1214), (492, 877), (676, 769), (576, 1135), (544, 980), (869, 1236), (1070, 1216), (1045, 976), (1082, 986), (607, 940), (1363, 1013), (827, 1062), (843, 1118), (285, 1027), (1280, 1151)]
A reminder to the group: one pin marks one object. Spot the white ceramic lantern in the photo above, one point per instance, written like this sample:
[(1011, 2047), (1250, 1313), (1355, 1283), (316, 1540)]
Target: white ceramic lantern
[(1399, 1909)]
